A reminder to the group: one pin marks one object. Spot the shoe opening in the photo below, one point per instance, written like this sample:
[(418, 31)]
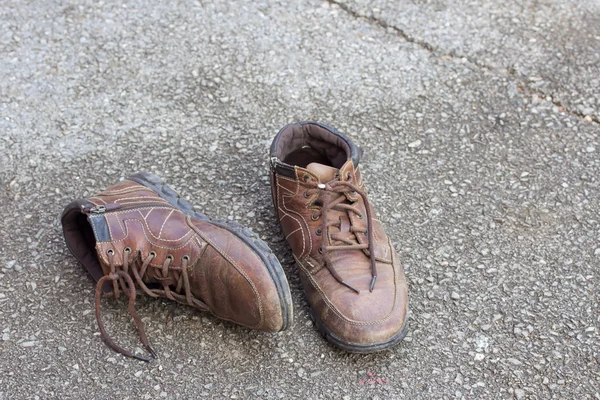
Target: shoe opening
[(305, 143), (80, 238)]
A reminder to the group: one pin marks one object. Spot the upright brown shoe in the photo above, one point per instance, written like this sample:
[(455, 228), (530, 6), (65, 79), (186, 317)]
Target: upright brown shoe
[(140, 235), (350, 271)]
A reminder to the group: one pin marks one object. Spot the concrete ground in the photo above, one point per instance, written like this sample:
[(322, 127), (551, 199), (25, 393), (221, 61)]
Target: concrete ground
[(480, 122)]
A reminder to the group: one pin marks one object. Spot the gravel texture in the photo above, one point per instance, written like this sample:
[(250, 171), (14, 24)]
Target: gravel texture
[(552, 47), (488, 187)]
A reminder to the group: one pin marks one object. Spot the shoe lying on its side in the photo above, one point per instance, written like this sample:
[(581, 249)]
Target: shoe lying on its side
[(139, 236), (350, 271)]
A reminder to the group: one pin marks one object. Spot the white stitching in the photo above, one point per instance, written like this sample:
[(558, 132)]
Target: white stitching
[(146, 198), (163, 224), (129, 189), (287, 179), (153, 237), (144, 223), (337, 312), (283, 187), (149, 212), (307, 227), (284, 214), (148, 239), (292, 232), (281, 200), (299, 227), (311, 264), (97, 198), (235, 265), (143, 207), (159, 265)]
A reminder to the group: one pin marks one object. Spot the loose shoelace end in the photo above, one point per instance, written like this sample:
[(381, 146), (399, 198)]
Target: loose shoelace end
[(349, 286), (373, 283), (151, 351), (146, 359)]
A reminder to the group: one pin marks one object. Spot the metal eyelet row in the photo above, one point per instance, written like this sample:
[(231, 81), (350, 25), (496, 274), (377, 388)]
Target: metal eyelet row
[(111, 252)]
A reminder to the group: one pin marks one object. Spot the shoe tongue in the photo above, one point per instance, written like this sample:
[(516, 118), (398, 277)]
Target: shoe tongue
[(324, 172)]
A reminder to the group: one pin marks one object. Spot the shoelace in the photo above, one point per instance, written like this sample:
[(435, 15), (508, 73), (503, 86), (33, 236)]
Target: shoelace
[(327, 192), (121, 279)]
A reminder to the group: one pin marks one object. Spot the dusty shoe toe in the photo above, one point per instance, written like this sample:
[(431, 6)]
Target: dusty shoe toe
[(362, 322), (240, 279)]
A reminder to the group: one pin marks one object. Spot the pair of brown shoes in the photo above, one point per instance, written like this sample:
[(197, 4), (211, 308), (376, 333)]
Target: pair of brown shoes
[(139, 236)]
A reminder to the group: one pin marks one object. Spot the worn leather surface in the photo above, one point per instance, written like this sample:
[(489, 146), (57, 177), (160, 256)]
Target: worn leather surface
[(365, 318), (223, 271)]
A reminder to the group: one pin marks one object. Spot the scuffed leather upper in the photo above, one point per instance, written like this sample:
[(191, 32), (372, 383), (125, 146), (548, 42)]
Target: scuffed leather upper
[(365, 318), (224, 273)]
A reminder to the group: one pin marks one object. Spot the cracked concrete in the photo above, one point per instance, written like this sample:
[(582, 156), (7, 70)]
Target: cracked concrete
[(550, 47), (488, 190)]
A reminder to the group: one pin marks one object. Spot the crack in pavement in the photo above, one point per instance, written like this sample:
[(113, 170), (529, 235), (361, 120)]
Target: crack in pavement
[(509, 72)]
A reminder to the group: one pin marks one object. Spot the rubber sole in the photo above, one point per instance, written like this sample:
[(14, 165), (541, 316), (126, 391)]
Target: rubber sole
[(355, 347), (244, 234)]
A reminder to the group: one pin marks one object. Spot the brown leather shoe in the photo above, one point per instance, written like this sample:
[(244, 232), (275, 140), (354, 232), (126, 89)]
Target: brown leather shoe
[(350, 271), (139, 235)]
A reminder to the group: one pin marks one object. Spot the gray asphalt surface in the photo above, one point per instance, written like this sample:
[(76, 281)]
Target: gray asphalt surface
[(486, 178), (552, 47)]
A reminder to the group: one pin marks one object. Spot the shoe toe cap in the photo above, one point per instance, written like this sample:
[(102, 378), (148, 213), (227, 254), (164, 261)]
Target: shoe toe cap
[(360, 321), (363, 333), (244, 284)]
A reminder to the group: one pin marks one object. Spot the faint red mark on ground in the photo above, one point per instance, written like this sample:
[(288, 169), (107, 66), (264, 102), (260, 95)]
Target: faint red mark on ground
[(372, 379)]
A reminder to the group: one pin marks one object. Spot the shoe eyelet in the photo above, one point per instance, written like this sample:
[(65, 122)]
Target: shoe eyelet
[(185, 258), (169, 257), (318, 231), (127, 249), (306, 178), (305, 194), (152, 254), (315, 217), (320, 250), (359, 216), (110, 252), (348, 176)]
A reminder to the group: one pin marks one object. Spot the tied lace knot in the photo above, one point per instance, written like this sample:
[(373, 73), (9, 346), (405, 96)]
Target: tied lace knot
[(334, 195), (122, 280)]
